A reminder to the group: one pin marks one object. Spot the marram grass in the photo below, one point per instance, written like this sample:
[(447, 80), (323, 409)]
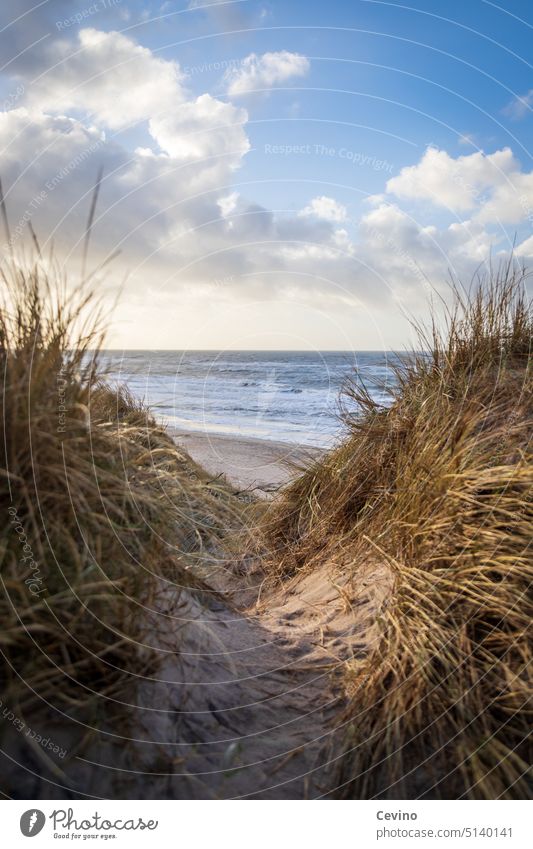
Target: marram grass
[(100, 510), (98, 507), (439, 488)]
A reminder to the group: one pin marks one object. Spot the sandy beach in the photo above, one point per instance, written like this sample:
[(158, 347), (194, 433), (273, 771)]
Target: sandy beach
[(262, 467)]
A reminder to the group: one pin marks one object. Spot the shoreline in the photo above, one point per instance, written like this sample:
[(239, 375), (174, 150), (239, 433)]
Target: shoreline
[(259, 466)]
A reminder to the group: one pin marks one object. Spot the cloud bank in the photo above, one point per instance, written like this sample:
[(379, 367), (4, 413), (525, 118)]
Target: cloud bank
[(170, 199)]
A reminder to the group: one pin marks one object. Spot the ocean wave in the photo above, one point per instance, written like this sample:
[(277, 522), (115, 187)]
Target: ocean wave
[(286, 396)]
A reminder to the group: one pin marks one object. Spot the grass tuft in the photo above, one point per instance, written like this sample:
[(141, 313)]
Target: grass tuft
[(439, 488), (99, 507)]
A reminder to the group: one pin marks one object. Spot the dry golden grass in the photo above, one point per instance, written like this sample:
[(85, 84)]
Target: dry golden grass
[(105, 509), (438, 487), (104, 502)]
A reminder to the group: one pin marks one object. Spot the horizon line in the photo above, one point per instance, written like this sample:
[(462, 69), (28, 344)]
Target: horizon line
[(263, 350)]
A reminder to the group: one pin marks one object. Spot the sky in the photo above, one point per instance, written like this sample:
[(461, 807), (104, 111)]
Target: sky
[(276, 175)]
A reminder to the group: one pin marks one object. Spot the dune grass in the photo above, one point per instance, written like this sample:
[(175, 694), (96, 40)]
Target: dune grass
[(101, 511), (439, 488), (99, 507)]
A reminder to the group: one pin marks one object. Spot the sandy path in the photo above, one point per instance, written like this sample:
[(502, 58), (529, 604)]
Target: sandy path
[(246, 698), (253, 704), (243, 704)]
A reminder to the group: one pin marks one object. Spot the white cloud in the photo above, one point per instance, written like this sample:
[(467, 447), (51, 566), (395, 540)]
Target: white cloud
[(166, 187), (117, 83), (492, 189), (326, 208), (508, 201), (181, 225), (228, 204), (108, 76), (169, 199), (171, 215), (525, 249), (519, 106), (260, 72), (203, 128), (457, 184)]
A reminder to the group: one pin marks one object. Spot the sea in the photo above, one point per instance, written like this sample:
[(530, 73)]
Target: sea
[(287, 396)]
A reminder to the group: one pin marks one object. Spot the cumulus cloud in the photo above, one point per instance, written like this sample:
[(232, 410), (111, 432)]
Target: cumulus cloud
[(411, 255), (260, 72), (170, 202), (170, 213), (202, 128), (108, 76), (117, 84), (155, 193), (525, 249), (326, 208), (519, 106), (492, 183)]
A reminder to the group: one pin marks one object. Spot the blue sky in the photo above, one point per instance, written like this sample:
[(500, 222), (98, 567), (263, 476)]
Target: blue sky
[(306, 169)]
